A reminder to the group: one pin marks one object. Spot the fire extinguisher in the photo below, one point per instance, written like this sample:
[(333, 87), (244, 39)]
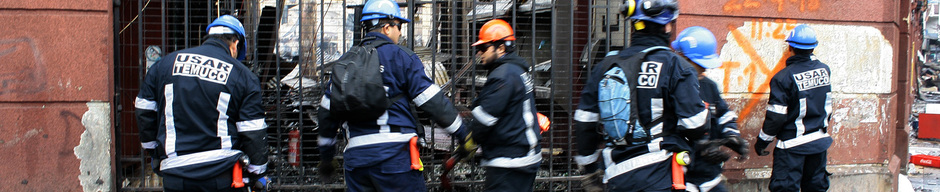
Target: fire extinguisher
[(293, 147)]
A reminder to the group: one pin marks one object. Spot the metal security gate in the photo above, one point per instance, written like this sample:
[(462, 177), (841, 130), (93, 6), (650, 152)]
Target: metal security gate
[(289, 40)]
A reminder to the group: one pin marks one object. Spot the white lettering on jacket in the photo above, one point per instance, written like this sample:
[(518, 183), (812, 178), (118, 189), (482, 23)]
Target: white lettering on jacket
[(203, 67)]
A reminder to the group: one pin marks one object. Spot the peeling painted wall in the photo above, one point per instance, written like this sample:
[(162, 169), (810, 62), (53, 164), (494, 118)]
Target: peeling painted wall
[(94, 149), (56, 89), (861, 61)]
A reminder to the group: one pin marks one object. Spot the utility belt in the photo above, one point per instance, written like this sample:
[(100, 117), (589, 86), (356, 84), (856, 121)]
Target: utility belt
[(614, 169), (394, 135), (531, 157)]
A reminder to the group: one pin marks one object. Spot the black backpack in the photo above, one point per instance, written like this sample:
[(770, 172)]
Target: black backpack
[(357, 89), (616, 95)]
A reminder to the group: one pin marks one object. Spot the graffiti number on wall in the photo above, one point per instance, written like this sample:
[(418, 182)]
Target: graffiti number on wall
[(756, 69), (801, 5)]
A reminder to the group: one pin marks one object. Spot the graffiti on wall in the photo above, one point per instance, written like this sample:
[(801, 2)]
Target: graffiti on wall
[(23, 69), (756, 50), (780, 5)]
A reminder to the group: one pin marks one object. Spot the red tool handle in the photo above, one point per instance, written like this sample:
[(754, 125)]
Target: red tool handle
[(237, 181), (415, 156), (448, 166)]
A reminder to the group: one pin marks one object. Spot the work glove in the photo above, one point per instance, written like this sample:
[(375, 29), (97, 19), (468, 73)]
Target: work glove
[(465, 145), (326, 170), (155, 166), (154, 161), (590, 167), (259, 182), (738, 145), (467, 149), (592, 182), (759, 147), (711, 152)]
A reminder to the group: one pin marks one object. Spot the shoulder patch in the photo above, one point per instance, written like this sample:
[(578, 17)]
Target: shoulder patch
[(811, 79), (202, 67)]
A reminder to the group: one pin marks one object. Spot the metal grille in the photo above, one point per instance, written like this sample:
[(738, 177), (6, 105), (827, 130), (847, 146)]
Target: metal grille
[(289, 40)]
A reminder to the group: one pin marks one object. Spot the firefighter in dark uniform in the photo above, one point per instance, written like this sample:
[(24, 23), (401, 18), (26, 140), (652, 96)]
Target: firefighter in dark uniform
[(798, 113), (199, 111), (698, 46), (670, 105), (504, 116), (376, 157)]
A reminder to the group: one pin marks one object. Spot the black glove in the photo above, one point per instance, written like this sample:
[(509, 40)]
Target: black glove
[(327, 170), (327, 167), (711, 152), (590, 167), (759, 147), (154, 161), (592, 182), (258, 182), (738, 145), (155, 166)]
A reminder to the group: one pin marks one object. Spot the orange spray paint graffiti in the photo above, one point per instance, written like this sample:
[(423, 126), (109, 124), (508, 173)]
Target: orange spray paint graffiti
[(740, 5), (756, 68)]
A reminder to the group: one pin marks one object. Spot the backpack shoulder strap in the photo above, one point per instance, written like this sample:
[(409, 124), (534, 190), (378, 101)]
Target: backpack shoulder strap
[(631, 68), (375, 42), (638, 58)]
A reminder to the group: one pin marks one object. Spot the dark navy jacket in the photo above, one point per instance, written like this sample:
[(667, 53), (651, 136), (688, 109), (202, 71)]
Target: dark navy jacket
[(373, 142), (703, 175), (201, 110), (799, 107), (723, 121), (504, 122), (667, 89)]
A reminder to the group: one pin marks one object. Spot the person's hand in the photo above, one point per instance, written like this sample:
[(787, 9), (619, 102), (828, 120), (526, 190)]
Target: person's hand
[(712, 152), (155, 166), (259, 182), (760, 146), (592, 182), (326, 170), (738, 145), (467, 149)]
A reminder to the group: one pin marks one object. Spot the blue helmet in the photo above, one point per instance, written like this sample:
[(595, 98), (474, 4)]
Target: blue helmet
[(699, 45), (802, 37), (382, 9), (656, 11), (230, 25)]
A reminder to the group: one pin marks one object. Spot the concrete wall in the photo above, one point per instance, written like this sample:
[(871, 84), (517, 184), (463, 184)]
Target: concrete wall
[(56, 89), (864, 44)]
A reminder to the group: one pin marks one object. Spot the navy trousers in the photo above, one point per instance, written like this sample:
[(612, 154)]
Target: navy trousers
[(223, 182), (510, 179), (796, 172), (394, 174)]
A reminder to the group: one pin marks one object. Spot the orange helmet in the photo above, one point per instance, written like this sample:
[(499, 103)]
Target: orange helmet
[(495, 30)]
